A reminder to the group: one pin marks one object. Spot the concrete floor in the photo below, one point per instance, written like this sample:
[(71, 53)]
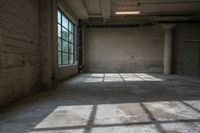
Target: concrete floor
[(110, 103)]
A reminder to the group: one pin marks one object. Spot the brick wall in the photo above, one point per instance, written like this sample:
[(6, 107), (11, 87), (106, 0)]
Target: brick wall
[(19, 48), (124, 49)]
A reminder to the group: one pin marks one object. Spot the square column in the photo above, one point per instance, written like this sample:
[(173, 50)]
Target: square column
[(168, 43)]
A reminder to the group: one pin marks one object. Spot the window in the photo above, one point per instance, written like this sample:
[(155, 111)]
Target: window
[(66, 39)]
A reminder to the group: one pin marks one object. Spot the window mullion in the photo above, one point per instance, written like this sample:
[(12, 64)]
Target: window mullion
[(61, 42), (73, 44), (68, 42)]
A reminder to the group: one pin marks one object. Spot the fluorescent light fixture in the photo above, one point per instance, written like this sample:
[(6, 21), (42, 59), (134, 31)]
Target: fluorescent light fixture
[(127, 12)]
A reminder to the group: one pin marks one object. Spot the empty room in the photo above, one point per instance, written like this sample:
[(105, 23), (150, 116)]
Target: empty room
[(99, 66)]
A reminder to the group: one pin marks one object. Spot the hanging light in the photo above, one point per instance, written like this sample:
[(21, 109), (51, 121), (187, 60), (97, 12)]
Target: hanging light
[(127, 12)]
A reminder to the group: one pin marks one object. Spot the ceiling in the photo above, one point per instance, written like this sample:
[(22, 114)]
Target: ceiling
[(103, 11)]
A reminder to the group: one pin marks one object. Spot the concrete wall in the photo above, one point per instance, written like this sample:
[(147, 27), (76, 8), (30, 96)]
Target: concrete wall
[(66, 72), (19, 49), (183, 33), (28, 49), (124, 50)]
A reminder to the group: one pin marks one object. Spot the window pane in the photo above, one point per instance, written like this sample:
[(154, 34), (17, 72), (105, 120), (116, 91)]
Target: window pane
[(59, 58), (73, 28), (59, 44), (71, 37), (59, 17), (65, 58), (65, 39), (65, 34), (65, 46), (71, 48), (59, 30), (71, 59), (64, 22), (70, 27)]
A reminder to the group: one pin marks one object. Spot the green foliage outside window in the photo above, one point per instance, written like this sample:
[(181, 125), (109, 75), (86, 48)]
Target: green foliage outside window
[(66, 39)]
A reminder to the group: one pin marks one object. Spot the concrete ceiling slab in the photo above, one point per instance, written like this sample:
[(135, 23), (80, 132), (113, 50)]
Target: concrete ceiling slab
[(169, 8), (150, 9)]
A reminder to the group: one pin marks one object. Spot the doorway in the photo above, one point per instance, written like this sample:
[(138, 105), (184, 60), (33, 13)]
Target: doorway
[(191, 58)]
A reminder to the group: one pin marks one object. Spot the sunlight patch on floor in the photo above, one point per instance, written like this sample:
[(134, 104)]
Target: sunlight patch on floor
[(120, 113), (127, 129), (120, 77), (66, 116), (151, 117)]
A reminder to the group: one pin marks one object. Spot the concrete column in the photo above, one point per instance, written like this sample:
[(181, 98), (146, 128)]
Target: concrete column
[(168, 41), (47, 40), (54, 43)]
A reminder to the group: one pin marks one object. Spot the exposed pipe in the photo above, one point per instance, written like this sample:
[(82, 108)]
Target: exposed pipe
[(172, 2), (141, 25)]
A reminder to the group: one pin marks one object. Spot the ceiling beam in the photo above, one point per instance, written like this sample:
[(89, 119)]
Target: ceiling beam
[(78, 8), (105, 9)]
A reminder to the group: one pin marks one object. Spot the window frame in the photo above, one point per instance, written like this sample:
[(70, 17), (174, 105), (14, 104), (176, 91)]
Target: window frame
[(60, 59)]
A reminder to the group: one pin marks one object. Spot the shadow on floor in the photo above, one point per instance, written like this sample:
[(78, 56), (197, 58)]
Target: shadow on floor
[(94, 103)]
